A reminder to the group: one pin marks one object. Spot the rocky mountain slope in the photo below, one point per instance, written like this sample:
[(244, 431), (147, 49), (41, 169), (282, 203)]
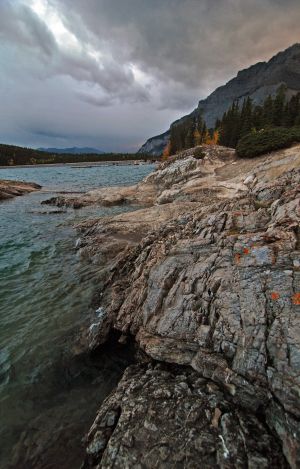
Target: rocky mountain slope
[(10, 189), (155, 145), (257, 81), (205, 280)]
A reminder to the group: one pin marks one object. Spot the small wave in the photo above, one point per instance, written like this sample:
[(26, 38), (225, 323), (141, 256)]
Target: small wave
[(5, 366), (8, 247)]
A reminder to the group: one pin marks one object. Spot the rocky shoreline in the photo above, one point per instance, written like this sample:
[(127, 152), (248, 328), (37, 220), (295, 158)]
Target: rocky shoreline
[(204, 279), (10, 189)]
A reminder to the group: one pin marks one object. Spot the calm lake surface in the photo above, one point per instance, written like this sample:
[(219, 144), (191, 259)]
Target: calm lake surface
[(48, 395)]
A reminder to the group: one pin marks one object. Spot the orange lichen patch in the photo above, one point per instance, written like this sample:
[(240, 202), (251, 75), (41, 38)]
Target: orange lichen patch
[(246, 251), (296, 299), (275, 296), (237, 258)]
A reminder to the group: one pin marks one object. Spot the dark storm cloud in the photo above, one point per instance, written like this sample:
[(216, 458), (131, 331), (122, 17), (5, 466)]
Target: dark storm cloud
[(187, 41), (122, 70), (22, 27)]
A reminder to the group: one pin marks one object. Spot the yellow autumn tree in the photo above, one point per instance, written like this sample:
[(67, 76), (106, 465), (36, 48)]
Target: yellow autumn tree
[(216, 137), (207, 138), (211, 140), (197, 137), (166, 151)]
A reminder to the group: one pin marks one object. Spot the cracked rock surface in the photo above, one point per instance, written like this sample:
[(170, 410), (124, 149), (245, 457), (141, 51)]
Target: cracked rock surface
[(216, 288), (160, 418)]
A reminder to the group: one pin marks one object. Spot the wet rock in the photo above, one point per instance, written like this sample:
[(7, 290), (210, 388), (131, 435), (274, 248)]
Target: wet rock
[(10, 189)]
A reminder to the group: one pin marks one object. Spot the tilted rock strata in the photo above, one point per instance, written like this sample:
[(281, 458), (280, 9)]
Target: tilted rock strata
[(10, 189), (218, 175), (217, 287), (180, 180)]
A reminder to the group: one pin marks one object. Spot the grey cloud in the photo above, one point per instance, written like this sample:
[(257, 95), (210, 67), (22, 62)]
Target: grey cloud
[(188, 41), (105, 100), (157, 59), (20, 25), (98, 101), (83, 68), (47, 133)]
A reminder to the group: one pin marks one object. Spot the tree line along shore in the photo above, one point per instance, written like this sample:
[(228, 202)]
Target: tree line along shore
[(12, 155)]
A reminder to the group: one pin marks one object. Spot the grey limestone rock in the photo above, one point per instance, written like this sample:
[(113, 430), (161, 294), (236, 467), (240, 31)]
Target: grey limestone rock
[(215, 289)]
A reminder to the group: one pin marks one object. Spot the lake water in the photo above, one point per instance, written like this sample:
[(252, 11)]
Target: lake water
[(48, 394)]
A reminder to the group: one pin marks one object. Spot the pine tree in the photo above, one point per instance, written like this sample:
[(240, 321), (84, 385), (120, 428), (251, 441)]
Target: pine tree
[(257, 118), (278, 107), (203, 132), (236, 122), (297, 119), (268, 111), (246, 118), (292, 110), (273, 112), (198, 130), (218, 124), (189, 133)]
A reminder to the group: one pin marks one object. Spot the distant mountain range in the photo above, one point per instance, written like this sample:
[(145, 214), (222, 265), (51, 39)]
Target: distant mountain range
[(257, 82), (73, 150)]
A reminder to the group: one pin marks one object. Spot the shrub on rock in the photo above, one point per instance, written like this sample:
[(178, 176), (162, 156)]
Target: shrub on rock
[(264, 141), (199, 154)]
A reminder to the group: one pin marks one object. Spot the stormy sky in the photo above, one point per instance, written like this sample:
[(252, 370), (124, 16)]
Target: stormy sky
[(111, 73)]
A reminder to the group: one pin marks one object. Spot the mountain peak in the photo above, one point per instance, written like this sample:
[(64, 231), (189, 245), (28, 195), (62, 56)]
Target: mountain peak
[(257, 81)]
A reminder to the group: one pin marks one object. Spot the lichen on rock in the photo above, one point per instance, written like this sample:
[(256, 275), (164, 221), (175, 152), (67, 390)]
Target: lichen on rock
[(208, 280)]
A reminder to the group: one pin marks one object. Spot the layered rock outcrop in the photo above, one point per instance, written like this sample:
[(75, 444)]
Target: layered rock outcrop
[(10, 189), (207, 278)]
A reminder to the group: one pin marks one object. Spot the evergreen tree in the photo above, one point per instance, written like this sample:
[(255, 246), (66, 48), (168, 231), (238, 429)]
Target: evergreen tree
[(292, 110), (274, 112), (268, 112), (218, 124), (237, 122), (257, 118), (278, 106), (189, 141), (246, 117)]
